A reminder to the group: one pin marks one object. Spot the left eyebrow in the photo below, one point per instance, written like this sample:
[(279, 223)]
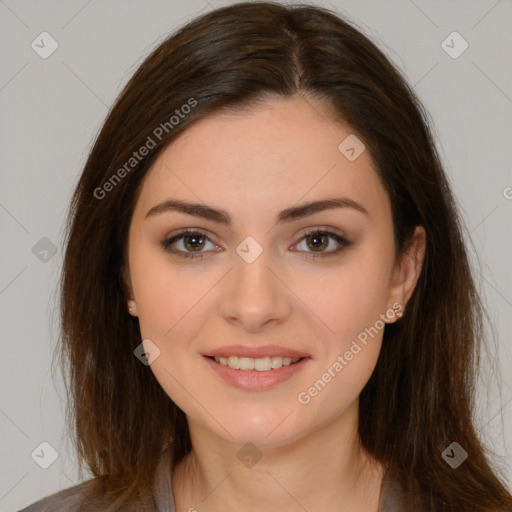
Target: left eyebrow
[(287, 215)]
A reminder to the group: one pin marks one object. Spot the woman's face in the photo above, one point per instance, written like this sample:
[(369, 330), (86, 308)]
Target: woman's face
[(252, 289)]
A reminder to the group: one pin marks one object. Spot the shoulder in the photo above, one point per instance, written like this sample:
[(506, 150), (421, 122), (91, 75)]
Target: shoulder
[(69, 499), (392, 498)]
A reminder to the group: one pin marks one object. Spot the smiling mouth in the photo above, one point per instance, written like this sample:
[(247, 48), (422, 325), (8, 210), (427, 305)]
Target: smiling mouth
[(261, 364)]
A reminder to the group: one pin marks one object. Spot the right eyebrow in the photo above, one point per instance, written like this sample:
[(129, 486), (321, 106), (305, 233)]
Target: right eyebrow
[(223, 217)]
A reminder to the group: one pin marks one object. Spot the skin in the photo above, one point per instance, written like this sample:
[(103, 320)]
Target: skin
[(253, 165)]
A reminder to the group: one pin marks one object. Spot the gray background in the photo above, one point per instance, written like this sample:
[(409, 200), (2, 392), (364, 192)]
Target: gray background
[(52, 109)]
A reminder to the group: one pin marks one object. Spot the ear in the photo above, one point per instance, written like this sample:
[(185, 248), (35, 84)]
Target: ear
[(407, 271), (126, 284)]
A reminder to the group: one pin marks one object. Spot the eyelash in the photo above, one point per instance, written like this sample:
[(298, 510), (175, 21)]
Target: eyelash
[(337, 238)]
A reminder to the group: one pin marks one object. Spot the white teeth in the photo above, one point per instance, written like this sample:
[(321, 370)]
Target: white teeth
[(246, 363), (233, 362), (261, 364), (277, 362)]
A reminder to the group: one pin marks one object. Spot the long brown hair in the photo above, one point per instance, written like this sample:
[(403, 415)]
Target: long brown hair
[(420, 397)]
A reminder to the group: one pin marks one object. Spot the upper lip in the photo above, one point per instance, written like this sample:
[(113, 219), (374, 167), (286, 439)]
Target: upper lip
[(255, 352)]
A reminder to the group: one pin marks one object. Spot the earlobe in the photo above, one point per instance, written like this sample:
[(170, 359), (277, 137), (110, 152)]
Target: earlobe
[(127, 286), (409, 270), (394, 313), (132, 308)]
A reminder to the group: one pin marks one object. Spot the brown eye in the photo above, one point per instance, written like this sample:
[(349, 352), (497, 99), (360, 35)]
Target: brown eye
[(317, 241), (194, 242), (191, 241)]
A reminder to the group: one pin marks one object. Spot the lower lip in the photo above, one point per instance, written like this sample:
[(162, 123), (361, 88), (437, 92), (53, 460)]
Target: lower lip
[(253, 380)]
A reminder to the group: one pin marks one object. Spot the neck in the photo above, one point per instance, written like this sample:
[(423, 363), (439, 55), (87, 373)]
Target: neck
[(214, 475)]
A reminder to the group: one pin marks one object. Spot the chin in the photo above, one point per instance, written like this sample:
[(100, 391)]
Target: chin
[(266, 430)]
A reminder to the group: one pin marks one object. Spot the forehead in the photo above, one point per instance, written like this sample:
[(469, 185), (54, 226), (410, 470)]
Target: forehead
[(284, 152)]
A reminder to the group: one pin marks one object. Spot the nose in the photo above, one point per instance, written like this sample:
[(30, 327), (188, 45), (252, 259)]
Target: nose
[(255, 294)]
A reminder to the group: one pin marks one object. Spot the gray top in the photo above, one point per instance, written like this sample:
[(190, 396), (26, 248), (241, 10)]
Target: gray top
[(69, 499)]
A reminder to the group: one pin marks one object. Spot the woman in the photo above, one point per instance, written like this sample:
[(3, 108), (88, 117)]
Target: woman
[(266, 299)]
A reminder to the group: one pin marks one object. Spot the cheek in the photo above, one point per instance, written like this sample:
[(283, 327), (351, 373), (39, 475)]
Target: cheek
[(350, 298), (168, 294), (171, 314)]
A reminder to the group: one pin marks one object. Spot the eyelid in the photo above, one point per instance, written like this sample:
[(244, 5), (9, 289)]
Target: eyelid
[(168, 240), (331, 233), (320, 229)]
